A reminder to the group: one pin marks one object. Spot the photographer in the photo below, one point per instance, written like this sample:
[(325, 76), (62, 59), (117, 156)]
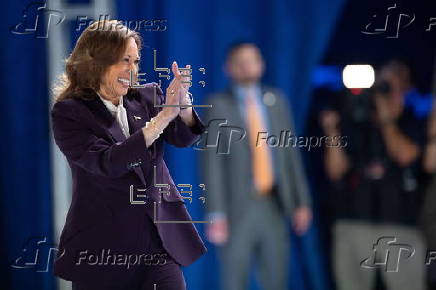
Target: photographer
[(377, 180)]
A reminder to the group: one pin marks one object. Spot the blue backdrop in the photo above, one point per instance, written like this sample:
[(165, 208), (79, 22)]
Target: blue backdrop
[(292, 36)]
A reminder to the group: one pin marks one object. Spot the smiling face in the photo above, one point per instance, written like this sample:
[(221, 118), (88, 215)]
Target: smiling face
[(115, 81)]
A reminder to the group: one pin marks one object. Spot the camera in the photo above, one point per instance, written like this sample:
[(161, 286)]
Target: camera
[(361, 103)]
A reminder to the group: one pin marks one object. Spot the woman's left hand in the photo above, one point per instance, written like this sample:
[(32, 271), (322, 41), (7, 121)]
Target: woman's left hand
[(186, 113), (186, 84)]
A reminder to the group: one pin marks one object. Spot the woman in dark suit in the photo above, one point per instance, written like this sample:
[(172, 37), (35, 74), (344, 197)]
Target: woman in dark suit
[(127, 226)]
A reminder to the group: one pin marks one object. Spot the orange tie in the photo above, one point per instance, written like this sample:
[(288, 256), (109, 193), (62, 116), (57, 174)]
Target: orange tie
[(260, 153)]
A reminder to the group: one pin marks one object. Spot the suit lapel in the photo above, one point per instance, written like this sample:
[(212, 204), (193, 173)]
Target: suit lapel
[(104, 117), (116, 131), (273, 117), (275, 121), (270, 114), (108, 121), (237, 116), (136, 115)]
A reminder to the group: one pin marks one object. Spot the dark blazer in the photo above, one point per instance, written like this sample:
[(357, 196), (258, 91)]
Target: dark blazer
[(104, 166), (230, 183)]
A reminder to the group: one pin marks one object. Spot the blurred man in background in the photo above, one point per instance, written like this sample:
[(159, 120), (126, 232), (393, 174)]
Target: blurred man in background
[(253, 187), (428, 215), (377, 179)]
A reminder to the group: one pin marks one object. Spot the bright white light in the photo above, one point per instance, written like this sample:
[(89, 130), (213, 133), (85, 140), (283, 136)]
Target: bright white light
[(359, 76)]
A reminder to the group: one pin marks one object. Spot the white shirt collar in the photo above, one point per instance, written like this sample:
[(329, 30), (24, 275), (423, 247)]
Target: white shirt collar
[(119, 112), (111, 107)]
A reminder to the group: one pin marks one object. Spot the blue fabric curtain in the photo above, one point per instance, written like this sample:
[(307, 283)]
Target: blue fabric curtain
[(25, 201), (292, 35)]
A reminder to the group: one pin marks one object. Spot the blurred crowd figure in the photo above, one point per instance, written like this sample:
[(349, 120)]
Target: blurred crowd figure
[(428, 214), (380, 182), (253, 189)]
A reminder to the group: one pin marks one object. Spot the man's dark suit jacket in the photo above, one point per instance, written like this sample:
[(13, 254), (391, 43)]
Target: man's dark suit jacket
[(104, 165), (229, 176)]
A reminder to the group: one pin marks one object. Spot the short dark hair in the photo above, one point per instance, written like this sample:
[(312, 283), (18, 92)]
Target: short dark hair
[(234, 47)]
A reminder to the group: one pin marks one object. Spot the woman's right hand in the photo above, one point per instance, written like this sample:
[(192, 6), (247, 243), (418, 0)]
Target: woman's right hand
[(172, 93)]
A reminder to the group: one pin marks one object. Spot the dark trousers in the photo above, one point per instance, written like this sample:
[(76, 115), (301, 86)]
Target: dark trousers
[(165, 275)]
